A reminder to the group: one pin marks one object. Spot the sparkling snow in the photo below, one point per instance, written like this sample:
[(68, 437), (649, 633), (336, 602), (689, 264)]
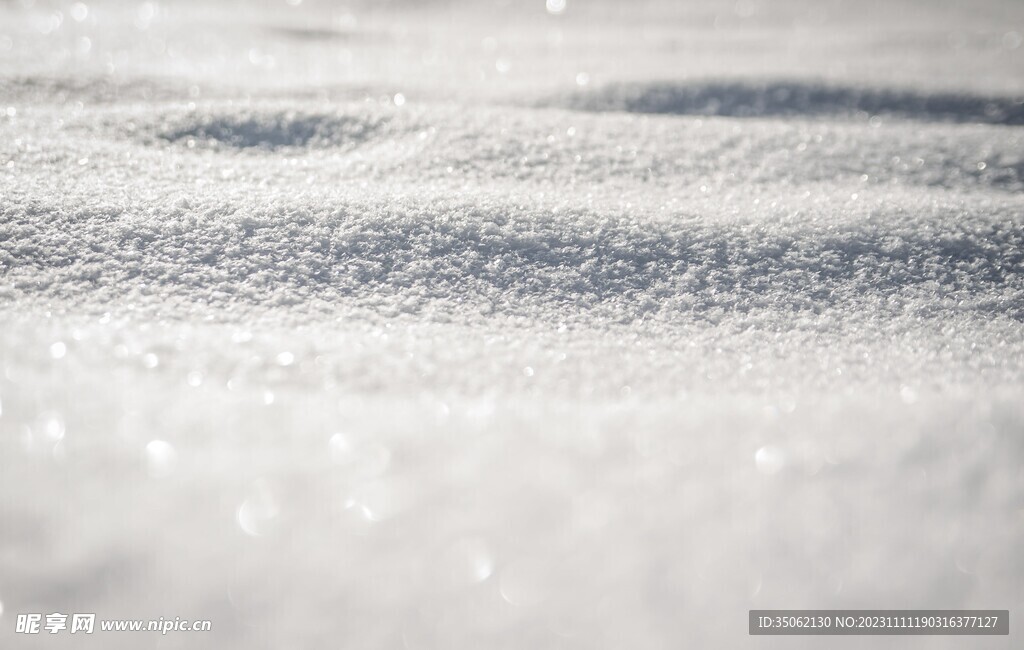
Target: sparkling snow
[(515, 324)]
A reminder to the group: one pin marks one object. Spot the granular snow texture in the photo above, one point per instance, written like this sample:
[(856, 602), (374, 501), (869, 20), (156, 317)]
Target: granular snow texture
[(509, 325)]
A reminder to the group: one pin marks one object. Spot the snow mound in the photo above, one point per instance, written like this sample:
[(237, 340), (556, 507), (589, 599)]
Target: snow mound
[(270, 248), (276, 130), (791, 99), (92, 90)]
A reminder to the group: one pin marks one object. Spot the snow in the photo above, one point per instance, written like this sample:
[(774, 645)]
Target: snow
[(799, 99), (530, 324)]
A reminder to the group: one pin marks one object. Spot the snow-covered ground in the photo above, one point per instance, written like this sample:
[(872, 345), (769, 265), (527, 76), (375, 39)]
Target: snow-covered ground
[(509, 324)]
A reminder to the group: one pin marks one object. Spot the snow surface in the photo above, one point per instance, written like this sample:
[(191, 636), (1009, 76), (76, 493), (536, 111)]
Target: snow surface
[(450, 325)]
